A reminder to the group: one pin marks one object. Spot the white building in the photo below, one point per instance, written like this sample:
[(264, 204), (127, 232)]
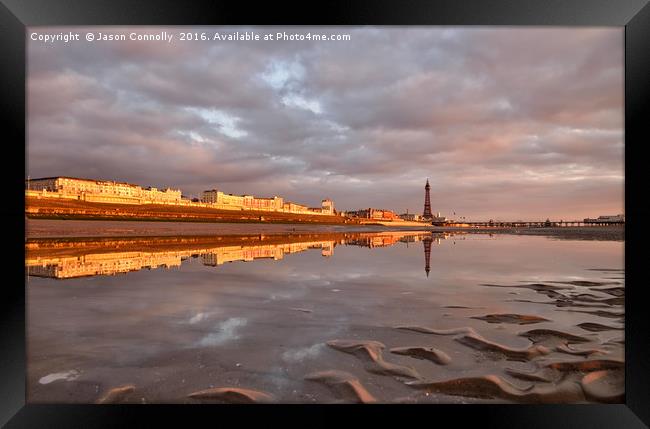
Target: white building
[(102, 191)]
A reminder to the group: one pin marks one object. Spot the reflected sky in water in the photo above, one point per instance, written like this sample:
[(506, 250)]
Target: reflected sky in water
[(175, 318)]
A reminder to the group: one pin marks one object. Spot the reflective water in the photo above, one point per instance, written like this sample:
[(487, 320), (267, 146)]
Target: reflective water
[(352, 317)]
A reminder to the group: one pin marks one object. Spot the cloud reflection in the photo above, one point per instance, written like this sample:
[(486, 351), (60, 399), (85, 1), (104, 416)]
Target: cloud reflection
[(224, 332)]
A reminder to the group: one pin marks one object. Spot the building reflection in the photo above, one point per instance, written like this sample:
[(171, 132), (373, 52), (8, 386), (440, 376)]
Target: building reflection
[(71, 258)]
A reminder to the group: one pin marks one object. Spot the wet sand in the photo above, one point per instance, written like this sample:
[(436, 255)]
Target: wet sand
[(499, 320), (41, 228)]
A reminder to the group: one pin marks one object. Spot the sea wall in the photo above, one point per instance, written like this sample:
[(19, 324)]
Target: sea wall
[(47, 208)]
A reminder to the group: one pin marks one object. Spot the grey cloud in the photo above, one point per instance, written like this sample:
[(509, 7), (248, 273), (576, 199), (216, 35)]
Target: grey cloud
[(504, 121)]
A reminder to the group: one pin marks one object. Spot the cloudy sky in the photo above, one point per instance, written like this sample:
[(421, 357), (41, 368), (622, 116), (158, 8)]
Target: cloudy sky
[(507, 123)]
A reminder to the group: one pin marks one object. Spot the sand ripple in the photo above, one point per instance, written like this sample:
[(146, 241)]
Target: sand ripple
[(584, 297), (559, 341), (302, 310), (344, 384), (597, 327), (487, 386), (581, 380), (576, 299), (521, 319), (602, 313), (604, 386), (585, 283), (538, 335), (586, 366), (477, 342), (428, 353), (527, 376), (614, 291), (233, 395), (539, 287), (116, 395), (563, 348), (371, 352), (494, 387), (424, 330)]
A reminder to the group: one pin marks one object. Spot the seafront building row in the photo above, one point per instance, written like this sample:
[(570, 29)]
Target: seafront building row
[(389, 215), (105, 191)]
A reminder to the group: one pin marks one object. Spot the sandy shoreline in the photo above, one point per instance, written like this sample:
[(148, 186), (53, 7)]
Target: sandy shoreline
[(163, 312), (43, 228), (500, 319)]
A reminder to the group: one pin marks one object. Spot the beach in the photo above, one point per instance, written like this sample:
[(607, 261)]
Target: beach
[(322, 316), (40, 228)]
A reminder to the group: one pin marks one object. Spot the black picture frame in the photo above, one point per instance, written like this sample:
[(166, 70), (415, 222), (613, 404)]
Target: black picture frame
[(16, 15)]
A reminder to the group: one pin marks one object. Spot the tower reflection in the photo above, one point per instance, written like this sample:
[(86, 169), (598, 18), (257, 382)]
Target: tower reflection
[(427, 254)]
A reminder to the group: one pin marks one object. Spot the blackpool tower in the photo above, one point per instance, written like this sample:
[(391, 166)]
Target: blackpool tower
[(427, 202)]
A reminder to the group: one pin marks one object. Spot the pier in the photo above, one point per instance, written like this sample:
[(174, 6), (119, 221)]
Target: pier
[(538, 224)]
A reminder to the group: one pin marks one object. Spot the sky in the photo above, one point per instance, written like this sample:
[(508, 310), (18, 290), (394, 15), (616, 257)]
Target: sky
[(506, 123)]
